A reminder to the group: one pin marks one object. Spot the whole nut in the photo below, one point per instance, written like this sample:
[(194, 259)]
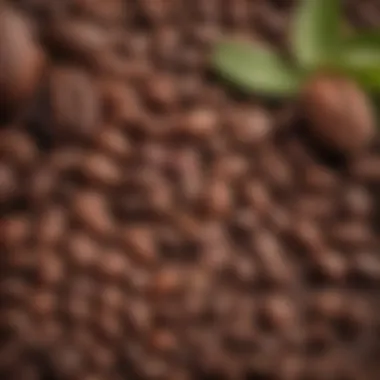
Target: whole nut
[(21, 60), (339, 113)]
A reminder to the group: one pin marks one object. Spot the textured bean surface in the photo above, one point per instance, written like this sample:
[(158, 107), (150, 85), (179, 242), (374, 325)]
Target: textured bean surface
[(156, 225)]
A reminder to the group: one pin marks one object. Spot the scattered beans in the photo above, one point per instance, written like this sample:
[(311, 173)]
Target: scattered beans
[(156, 225)]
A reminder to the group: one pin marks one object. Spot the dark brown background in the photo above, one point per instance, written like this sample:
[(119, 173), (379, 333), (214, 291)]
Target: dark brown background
[(158, 225)]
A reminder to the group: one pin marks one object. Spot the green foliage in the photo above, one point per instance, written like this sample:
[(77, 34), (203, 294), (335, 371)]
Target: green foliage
[(255, 69), (315, 32), (317, 41), (360, 57)]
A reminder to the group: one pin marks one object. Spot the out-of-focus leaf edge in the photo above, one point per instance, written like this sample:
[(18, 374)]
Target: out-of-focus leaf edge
[(315, 32), (239, 64)]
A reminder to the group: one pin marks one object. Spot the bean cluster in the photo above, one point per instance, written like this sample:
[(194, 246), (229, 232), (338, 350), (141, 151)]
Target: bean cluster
[(156, 225)]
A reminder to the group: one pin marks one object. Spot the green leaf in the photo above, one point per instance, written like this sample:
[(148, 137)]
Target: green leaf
[(361, 51), (369, 78), (316, 30), (370, 37), (254, 69), (360, 57)]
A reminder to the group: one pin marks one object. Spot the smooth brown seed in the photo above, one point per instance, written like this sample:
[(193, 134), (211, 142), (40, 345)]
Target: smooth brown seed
[(339, 113), (22, 60)]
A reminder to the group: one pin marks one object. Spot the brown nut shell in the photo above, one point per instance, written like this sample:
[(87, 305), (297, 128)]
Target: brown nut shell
[(22, 59), (339, 113)]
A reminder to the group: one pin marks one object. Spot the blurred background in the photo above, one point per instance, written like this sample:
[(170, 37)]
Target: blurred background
[(156, 224)]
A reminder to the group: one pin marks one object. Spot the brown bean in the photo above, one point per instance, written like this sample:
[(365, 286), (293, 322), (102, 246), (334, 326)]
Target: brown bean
[(114, 265), (316, 207), (306, 235), (216, 199), (271, 257), (109, 326), (279, 311), (79, 38), (166, 43), (112, 142), (100, 169), (14, 291), (66, 159), (41, 184), (160, 92), (102, 357), (200, 122), (326, 101), (351, 234), (318, 178), (251, 126), (139, 315), (20, 260), (18, 148), (163, 341), (66, 359), (258, 196), (78, 309), (111, 12), (82, 251), (231, 168), (368, 265), (367, 169), (190, 174), (22, 58), (51, 226), (112, 298), (167, 281), (51, 270), (15, 231), (328, 303), (91, 209), (43, 304), (357, 202), (156, 12), (75, 102), (9, 187), (276, 170), (120, 102), (331, 264), (139, 242)]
